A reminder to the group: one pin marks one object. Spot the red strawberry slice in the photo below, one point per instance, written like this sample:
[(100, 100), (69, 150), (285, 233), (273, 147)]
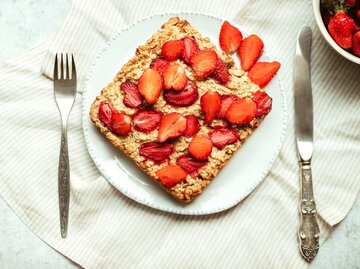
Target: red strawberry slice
[(172, 125), (227, 100), (250, 50), (203, 63), (146, 120), (120, 123), (262, 72), (356, 43), (175, 77), (230, 37), (200, 147), (159, 65), (263, 103), (150, 85), (189, 164), (185, 97), (190, 47), (171, 175), (210, 104), (241, 111), (105, 113), (221, 73), (192, 126), (172, 50), (223, 136), (156, 151), (132, 98)]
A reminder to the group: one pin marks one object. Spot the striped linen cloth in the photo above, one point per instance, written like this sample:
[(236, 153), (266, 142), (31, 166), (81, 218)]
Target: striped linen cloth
[(108, 230)]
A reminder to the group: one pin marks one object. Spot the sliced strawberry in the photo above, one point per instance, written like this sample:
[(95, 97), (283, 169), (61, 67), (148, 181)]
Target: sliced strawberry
[(190, 47), (227, 100), (221, 73), (230, 37), (175, 77), (250, 50), (185, 97), (156, 151), (356, 43), (159, 65), (172, 125), (210, 104), (192, 125), (189, 164), (150, 85), (105, 113), (146, 120), (172, 50), (241, 111), (262, 72), (263, 103), (120, 123), (203, 63), (200, 147), (171, 175), (132, 98), (223, 136)]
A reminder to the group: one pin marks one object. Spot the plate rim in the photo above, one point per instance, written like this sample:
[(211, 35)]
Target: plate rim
[(148, 203)]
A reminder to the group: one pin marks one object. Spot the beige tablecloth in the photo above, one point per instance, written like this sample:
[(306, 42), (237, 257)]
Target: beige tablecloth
[(108, 230)]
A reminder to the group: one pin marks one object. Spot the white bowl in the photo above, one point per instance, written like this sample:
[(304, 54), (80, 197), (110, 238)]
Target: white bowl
[(328, 38)]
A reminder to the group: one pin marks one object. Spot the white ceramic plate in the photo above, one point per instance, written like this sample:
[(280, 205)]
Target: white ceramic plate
[(237, 179)]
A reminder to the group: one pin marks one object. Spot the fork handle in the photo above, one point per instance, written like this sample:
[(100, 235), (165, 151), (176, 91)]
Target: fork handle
[(309, 231), (64, 182)]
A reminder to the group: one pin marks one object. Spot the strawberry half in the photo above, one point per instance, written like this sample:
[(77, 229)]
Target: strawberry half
[(203, 63), (105, 113), (341, 28), (171, 175), (210, 104), (263, 103), (175, 77), (227, 100), (189, 164), (171, 125), (356, 43), (120, 123), (190, 47), (150, 85), (262, 72), (132, 98), (159, 65), (146, 120), (185, 97), (223, 136), (221, 73), (156, 151), (172, 50), (230, 37), (250, 51), (192, 126), (200, 147), (241, 111)]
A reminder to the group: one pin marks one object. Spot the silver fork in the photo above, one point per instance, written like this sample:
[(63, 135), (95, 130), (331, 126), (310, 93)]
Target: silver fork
[(65, 93)]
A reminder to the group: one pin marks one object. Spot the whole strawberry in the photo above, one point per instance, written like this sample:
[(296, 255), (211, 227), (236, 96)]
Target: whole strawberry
[(356, 44), (341, 28)]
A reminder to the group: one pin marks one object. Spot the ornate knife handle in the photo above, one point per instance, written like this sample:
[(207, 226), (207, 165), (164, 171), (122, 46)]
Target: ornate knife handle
[(309, 231), (63, 183)]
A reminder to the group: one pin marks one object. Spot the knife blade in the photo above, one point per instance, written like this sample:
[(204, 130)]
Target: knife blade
[(308, 231)]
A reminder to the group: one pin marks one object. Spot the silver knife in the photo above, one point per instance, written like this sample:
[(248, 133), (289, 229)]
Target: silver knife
[(309, 231)]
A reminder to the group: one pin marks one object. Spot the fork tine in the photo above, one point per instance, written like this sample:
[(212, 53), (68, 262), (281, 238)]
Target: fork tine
[(67, 67), (73, 74), (62, 75), (56, 73)]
